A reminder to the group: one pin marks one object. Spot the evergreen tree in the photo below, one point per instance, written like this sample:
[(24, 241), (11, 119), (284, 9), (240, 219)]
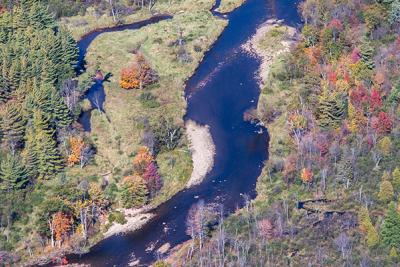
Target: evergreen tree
[(386, 192), (367, 53), (61, 115), (13, 126), (5, 90), (367, 227), (13, 175), (39, 16), (70, 49), (134, 192), (29, 153), (331, 110), (396, 179), (391, 227), (48, 156)]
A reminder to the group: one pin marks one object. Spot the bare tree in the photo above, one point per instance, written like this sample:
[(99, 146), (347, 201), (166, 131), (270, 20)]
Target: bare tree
[(69, 92), (343, 244), (85, 156)]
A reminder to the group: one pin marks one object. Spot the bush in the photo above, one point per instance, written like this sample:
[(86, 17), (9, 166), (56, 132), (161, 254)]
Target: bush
[(148, 100), (116, 216)]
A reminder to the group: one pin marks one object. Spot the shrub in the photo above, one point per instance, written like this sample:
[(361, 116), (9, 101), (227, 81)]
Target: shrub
[(116, 216)]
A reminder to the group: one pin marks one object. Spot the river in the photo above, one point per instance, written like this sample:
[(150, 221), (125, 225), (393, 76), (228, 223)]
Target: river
[(222, 89)]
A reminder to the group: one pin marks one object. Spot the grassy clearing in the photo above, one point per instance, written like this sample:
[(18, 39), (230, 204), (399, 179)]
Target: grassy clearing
[(81, 24), (118, 134), (227, 6)]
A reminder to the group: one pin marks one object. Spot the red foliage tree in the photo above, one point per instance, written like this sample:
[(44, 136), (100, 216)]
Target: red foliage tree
[(355, 55), (375, 100), (382, 123), (152, 178), (336, 24), (359, 96)]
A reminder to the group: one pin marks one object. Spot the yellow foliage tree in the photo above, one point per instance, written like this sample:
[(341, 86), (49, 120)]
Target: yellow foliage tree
[(76, 146)]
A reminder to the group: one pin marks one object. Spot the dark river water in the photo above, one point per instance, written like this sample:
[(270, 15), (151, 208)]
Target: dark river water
[(222, 89)]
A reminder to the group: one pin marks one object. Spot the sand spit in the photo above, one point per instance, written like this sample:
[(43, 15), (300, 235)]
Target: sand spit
[(203, 151)]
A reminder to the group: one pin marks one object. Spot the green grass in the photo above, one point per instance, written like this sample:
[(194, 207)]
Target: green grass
[(227, 6), (80, 25), (117, 135)]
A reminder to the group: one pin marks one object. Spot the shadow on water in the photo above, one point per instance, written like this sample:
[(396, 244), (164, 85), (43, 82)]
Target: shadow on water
[(222, 89)]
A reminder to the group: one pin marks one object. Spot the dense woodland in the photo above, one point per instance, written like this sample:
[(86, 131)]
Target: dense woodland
[(328, 195), (43, 207)]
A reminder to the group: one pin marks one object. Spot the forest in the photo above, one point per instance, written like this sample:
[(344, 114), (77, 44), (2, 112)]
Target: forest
[(42, 205), (329, 193)]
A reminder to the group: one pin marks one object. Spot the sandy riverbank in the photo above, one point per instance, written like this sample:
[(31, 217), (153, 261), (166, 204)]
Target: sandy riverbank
[(203, 151), (268, 46), (135, 219)]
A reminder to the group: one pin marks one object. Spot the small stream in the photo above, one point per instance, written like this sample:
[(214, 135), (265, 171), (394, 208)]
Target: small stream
[(222, 89), (96, 94)]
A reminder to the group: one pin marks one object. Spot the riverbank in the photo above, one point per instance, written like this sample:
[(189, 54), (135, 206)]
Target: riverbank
[(135, 219), (202, 149), (227, 6), (271, 42), (80, 25)]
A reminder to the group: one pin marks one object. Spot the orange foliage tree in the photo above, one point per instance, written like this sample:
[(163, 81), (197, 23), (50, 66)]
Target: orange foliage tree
[(130, 78), (142, 159), (61, 224), (76, 144), (306, 175), (138, 75)]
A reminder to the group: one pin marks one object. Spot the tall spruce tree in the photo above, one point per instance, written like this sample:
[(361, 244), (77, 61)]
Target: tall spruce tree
[(331, 109), (13, 174), (391, 227), (13, 126), (48, 156)]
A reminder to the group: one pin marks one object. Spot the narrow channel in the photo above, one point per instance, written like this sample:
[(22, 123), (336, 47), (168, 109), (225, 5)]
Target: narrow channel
[(222, 89)]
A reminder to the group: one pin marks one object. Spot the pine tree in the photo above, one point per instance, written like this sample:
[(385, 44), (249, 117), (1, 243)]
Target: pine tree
[(386, 192), (61, 115), (13, 126), (29, 154), (13, 174), (396, 179), (134, 192), (48, 156), (5, 90), (391, 227), (331, 110), (70, 49), (367, 53), (367, 227)]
